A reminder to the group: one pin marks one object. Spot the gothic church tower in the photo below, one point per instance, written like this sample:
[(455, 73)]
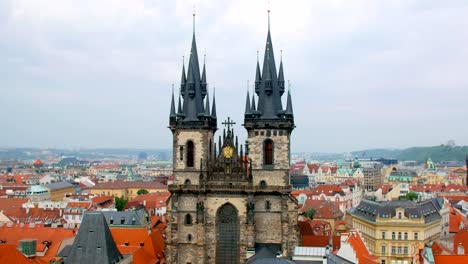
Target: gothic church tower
[(229, 201)]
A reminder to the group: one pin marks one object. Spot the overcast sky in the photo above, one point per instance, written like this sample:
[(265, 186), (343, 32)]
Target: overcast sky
[(364, 74)]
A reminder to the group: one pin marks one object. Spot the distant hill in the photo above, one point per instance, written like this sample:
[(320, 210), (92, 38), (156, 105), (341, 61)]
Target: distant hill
[(420, 154)]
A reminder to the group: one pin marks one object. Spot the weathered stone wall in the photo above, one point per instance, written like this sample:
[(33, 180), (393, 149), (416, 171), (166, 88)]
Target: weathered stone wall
[(271, 177), (268, 221), (202, 140), (281, 155), (276, 174)]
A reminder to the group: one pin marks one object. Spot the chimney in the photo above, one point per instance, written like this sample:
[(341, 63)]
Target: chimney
[(61, 212), (144, 203)]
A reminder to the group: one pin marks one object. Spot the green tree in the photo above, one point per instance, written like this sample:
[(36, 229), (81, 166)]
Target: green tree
[(142, 191), (411, 196), (120, 203), (310, 213)]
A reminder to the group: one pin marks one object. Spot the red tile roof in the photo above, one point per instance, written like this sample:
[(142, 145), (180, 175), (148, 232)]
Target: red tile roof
[(153, 200), (34, 215), (313, 167), (451, 259), (314, 227), (427, 188), (321, 241), (7, 204), (153, 250), (10, 254), (129, 240), (14, 234), (385, 188), (438, 249), (295, 193), (323, 209), (362, 253), (457, 220), (328, 190), (461, 238)]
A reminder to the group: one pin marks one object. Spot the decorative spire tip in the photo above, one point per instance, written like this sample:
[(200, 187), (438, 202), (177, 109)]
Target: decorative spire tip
[(268, 15), (193, 14)]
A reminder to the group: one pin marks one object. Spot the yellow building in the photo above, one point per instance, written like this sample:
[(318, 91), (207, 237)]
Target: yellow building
[(396, 230), (58, 190), (126, 189)]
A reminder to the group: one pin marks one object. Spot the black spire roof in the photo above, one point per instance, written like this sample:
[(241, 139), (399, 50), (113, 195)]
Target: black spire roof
[(172, 115), (269, 87), (94, 243), (247, 102), (193, 90)]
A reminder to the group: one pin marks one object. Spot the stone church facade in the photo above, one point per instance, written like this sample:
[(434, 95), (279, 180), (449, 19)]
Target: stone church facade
[(229, 200)]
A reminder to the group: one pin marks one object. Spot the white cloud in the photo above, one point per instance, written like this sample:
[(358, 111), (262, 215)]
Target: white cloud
[(354, 66)]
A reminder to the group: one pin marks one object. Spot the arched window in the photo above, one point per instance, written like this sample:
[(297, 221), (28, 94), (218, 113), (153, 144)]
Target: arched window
[(268, 205), (188, 219), (268, 152), (399, 235), (187, 182), (190, 154), (399, 215), (406, 235), (263, 184), (189, 237), (393, 235)]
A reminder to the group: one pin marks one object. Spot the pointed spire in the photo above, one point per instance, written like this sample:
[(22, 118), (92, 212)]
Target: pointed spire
[(203, 80), (281, 75), (173, 113), (213, 109), (253, 108), (289, 108), (193, 111), (258, 76), (247, 102), (207, 106), (183, 79), (179, 107)]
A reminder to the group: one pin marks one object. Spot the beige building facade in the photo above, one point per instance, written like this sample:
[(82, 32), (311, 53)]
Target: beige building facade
[(396, 230)]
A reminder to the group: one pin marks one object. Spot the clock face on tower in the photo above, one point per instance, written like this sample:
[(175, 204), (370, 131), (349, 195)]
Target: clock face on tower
[(228, 151)]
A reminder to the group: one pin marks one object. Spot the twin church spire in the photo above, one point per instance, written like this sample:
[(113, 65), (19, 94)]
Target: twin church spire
[(269, 88), (193, 108)]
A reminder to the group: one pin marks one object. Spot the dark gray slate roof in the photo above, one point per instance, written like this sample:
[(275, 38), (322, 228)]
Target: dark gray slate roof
[(94, 243), (300, 181), (134, 218), (59, 185), (264, 251), (369, 210), (334, 259)]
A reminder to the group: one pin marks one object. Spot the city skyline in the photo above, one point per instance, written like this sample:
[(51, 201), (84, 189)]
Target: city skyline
[(363, 74)]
